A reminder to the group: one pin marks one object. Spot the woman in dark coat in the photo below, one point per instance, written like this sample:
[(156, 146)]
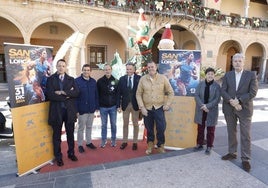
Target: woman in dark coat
[(207, 98)]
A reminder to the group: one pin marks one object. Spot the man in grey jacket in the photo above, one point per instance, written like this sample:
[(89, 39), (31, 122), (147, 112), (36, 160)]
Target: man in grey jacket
[(239, 87)]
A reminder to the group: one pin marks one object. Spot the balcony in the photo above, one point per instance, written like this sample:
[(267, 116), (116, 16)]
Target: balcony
[(175, 10)]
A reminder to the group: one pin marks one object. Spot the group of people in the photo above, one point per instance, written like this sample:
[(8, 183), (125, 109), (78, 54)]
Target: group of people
[(71, 98), (238, 89), (150, 95)]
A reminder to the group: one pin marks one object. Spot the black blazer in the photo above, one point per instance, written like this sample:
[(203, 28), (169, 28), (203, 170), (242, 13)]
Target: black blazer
[(123, 94), (55, 107)]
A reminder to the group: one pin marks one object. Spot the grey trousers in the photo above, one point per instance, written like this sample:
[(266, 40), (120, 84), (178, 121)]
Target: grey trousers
[(245, 135), (85, 121)]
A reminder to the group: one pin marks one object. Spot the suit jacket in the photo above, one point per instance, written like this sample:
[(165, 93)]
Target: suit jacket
[(212, 105), (123, 92), (55, 107), (247, 90)]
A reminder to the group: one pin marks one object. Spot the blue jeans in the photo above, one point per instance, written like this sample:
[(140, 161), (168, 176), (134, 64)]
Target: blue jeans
[(155, 117), (104, 112)]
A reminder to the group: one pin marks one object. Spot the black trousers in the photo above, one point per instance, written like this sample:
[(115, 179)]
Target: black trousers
[(57, 128)]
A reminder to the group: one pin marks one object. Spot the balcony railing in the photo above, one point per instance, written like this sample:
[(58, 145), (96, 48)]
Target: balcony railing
[(176, 9)]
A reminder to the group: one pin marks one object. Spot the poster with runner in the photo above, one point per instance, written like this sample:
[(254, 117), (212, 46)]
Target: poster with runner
[(27, 67)]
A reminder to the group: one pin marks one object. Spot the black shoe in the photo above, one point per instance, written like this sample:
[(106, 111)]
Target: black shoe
[(123, 145), (60, 162), (81, 149), (208, 151), (91, 146), (229, 156), (246, 166), (134, 146), (198, 148), (72, 157)]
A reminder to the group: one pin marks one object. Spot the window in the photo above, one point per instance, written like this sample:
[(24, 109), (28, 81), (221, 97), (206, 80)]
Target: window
[(3, 78), (96, 54)]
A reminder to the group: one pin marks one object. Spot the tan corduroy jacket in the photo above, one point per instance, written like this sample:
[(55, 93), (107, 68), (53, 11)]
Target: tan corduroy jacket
[(155, 92)]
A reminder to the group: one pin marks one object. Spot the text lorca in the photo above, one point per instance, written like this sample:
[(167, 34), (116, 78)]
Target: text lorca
[(18, 56), (168, 58)]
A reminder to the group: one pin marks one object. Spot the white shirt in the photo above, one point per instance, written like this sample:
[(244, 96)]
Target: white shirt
[(237, 78)]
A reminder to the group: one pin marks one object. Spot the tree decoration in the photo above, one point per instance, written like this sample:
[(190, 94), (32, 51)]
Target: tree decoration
[(142, 43)]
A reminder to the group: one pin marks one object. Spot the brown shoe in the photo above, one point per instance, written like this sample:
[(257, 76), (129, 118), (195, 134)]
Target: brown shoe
[(150, 146), (161, 149), (246, 166), (229, 156)]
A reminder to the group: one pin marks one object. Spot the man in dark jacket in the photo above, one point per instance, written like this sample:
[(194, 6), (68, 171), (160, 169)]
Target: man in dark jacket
[(87, 104), (61, 91), (107, 89), (127, 102)]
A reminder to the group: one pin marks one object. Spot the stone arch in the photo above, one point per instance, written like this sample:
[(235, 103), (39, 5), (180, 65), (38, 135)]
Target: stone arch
[(190, 44), (39, 21), (256, 59), (231, 44), (110, 46), (14, 21), (226, 50), (263, 44), (114, 27)]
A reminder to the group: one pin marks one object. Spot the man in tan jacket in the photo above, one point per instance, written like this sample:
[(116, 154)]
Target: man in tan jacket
[(154, 96)]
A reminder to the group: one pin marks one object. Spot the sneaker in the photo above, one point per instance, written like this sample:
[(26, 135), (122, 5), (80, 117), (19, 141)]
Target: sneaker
[(208, 151), (103, 143), (91, 146), (198, 148), (81, 149), (113, 143)]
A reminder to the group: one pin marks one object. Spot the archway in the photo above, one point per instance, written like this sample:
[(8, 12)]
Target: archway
[(226, 52), (10, 33)]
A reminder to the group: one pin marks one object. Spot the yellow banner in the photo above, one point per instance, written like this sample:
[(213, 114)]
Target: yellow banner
[(181, 131), (33, 137)]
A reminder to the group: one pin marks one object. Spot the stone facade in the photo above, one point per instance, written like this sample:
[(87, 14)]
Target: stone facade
[(51, 22)]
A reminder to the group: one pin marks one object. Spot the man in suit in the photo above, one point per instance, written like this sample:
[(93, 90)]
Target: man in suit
[(127, 102), (239, 87), (61, 91)]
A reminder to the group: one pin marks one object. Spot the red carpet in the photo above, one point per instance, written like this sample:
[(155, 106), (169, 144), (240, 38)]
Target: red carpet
[(98, 156)]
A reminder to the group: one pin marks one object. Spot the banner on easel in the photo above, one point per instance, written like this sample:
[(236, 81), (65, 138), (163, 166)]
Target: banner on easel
[(182, 68), (28, 67)]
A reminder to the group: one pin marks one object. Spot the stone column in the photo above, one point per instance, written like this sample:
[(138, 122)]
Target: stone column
[(246, 7), (264, 77)]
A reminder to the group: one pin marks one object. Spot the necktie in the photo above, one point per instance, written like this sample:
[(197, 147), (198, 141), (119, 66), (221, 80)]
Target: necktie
[(61, 77), (129, 82)]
